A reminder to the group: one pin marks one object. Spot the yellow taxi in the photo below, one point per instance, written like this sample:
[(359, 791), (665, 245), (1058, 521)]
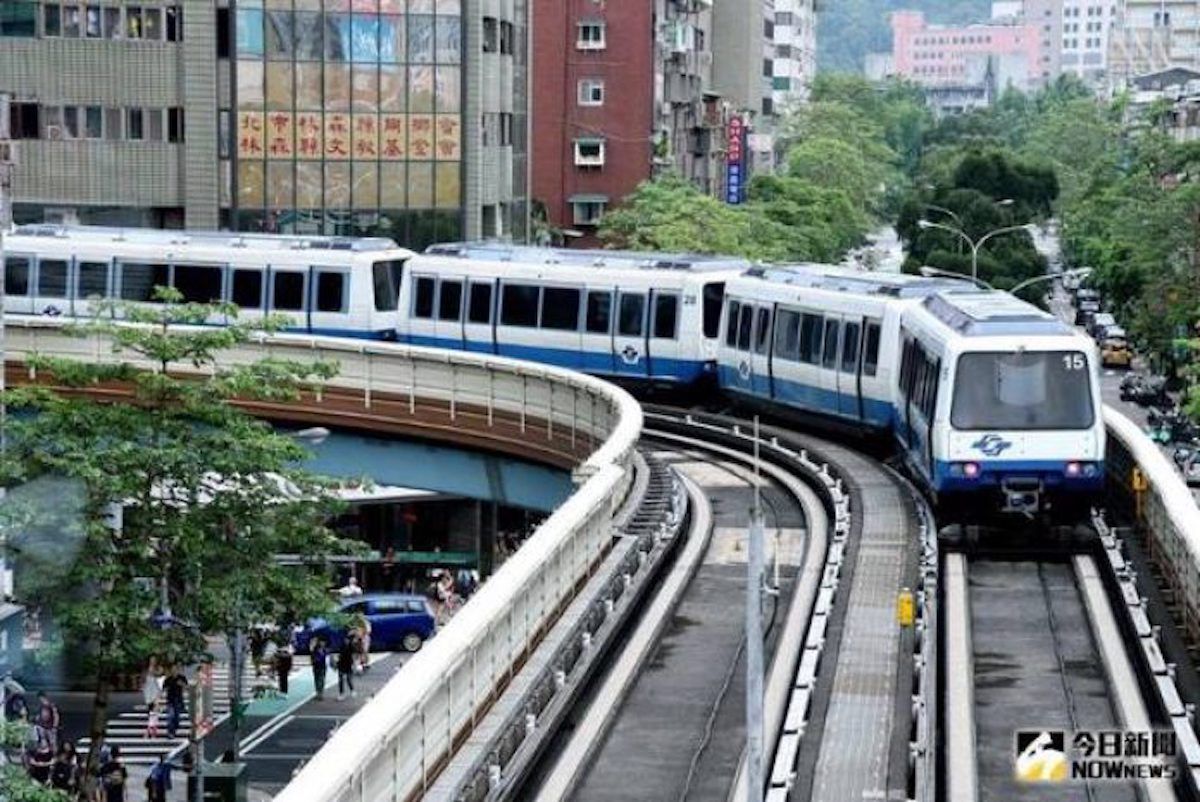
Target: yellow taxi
[(1114, 349)]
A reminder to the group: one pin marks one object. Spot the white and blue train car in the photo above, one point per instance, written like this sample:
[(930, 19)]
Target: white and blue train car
[(818, 338), (996, 399), (324, 285), (639, 317)]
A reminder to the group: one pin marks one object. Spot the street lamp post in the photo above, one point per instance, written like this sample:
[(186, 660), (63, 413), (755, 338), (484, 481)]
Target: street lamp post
[(1082, 272), (975, 244)]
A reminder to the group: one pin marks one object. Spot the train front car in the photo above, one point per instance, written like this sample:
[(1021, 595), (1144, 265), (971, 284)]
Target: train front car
[(1014, 398)]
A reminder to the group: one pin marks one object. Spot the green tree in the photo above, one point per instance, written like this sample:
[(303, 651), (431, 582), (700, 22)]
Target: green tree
[(207, 493)]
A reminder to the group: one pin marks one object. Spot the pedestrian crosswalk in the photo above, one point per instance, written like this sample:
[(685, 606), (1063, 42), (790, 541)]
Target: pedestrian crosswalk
[(128, 729)]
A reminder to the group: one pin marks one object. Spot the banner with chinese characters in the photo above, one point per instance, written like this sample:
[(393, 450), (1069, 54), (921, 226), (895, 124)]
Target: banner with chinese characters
[(735, 166), (420, 137), (337, 137), (366, 136), (449, 137), (251, 135), (393, 137), (309, 135), (280, 135)]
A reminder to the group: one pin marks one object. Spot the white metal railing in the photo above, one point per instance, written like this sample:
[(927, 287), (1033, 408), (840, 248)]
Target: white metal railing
[(391, 749)]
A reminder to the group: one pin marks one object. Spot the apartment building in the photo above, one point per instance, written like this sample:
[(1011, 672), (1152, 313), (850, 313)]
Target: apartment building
[(1153, 35), (795, 64), (400, 118), (945, 55)]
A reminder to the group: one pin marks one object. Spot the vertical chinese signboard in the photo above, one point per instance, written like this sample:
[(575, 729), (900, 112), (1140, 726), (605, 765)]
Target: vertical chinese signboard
[(735, 160)]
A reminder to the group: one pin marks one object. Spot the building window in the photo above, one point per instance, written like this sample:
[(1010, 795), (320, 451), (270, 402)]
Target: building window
[(587, 212), (506, 129), (93, 122), (507, 38), (589, 152), (768, 68), (491, 35), (174, 26), (51, 20), (175, 125), (590, 37), (24, 121), (591, 92), (134, 125)]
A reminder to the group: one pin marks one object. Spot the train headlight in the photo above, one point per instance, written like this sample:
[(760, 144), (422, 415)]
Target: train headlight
[(1074, 469), (967, 470)]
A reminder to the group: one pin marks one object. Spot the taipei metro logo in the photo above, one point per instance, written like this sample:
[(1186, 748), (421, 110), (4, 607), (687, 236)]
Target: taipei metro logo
[(993, 445)]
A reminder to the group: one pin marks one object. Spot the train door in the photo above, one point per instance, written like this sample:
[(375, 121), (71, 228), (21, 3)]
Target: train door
[(448, 320), (422, 326), (631, 342), (831, 353), (329, 298), (479, 326), (740, 341), (760, 356), (559, 324), (596, 340), (18, 278), (664, 347), (849, 370), (51, 288)]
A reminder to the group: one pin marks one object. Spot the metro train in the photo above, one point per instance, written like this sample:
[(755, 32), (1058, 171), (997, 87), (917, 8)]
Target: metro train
[(982, 394)]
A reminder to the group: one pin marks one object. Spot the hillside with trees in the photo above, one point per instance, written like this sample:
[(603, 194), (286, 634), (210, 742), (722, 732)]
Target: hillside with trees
[(849, 29)]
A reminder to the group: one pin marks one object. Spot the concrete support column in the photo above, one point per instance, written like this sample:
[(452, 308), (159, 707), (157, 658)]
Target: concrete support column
[(198, 77)]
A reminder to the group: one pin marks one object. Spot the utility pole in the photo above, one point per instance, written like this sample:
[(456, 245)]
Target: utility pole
[(7, 162), (754, 642)]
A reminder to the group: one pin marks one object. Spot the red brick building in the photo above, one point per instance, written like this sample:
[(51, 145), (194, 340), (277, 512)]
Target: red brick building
[(592, 82)]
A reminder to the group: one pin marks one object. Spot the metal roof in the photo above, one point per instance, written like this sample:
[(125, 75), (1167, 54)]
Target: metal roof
[(982, 313), (593, 257), (838, 279), (210, 239)]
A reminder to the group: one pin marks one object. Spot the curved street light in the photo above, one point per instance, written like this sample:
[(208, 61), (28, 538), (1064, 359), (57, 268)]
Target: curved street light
[(975, 244), (930, 272)]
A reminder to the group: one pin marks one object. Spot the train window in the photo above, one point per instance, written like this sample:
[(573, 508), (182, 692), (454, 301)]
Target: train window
[(599, 312), (850, 347), (519, 305), (331, 291), (714, 294), (762, 333), (787, 335), (287, 294), (935, 377), (423, 297), (450, 300), (871, 350), (199, 284), (745, 326), (666, 315), (560, 308), (831, 344), (479, 306), (91, 280), (631, 315), (138, 280), (906, 369), (52, 278), (386, 280), (246, 289), (810, 338), (731, 324), (16, 275), (1029, 390)]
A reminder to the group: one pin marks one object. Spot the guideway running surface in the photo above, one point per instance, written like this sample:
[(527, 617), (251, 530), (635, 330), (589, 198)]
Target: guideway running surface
[(684, 713), (1036, 667)]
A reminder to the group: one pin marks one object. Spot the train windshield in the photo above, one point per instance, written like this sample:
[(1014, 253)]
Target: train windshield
[(1026, 390)]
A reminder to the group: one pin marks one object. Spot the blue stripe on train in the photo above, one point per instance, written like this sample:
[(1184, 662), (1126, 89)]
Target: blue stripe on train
[(876, 413), (1052, 474)]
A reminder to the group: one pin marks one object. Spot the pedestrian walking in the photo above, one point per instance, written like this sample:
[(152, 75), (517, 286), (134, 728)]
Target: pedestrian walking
[(39, 756), (175, 686), (64, 773), (47, 721), (362, 633), (113, 777), (345, 667), (258, 647), (158, 783), (283, 666), (320, 662), (152, 721)]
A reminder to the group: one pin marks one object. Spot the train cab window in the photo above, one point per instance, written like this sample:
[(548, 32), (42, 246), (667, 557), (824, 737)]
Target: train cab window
[(666, 315), (713, 296), (631, 315), (762, 332), (850, 347), (906, 367), (450, 300), (423, 292), (246, 289), (787, 335), (16, 275), (199, 284), (386, 278), (811, 327), (52, 278), (91, 280), (599, 312), (519, 305), (287, 294), (745, 327), (871, 350), (560, 308), (831, 344), (331, 291), (138, 280), (731, 324), (479, 304)]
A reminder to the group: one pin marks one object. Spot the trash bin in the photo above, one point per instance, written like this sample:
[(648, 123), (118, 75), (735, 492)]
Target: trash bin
[(223, 782)]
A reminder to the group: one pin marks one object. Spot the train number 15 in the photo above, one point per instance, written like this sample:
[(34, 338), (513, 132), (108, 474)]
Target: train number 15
[(1074, 362)]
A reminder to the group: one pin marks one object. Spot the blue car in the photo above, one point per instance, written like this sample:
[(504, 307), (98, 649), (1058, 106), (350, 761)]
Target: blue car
[(398, 621)]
